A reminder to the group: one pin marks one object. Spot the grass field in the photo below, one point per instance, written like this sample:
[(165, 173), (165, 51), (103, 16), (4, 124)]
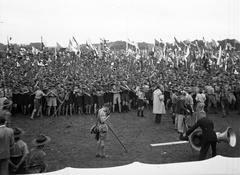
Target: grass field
[(72, 145)]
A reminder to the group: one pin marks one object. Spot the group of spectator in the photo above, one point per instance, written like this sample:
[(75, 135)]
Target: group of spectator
[(15, 158)]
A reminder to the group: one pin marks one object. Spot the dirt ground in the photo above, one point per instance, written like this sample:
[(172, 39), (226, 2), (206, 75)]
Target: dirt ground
[(72, 145)]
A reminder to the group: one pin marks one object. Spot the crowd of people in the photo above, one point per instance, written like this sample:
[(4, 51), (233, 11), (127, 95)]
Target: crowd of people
[(68, 83), (81, 83), (15, 158)]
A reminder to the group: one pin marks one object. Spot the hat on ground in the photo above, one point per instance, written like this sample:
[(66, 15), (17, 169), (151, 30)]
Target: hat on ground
[(18, 132), (7, 103), (41, 140)]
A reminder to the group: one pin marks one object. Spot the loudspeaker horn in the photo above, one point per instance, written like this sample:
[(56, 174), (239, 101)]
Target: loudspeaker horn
[(228, 136), (195, 139)]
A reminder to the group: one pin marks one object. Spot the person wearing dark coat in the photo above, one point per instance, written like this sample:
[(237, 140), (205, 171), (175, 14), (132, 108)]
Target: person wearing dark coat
[(181, 111), (209, 136)]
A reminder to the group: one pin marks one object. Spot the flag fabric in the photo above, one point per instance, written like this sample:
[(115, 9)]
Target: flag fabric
[(205, 43), (187, 53), (35, 51), (70, 45), (72, 48), (58, 47), (197, 46), (104, 46), (75, 41), (89, 44), (176, 42), (229, 47), (219, 55), (156, 43), (214, 43), (42, 44), (132, 43), (209, 45)]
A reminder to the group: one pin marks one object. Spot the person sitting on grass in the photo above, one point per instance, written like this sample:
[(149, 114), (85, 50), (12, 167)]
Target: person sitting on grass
[(36, 158)]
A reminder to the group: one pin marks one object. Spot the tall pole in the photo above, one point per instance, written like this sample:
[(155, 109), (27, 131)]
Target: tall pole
[(41, 43), (117, 138)]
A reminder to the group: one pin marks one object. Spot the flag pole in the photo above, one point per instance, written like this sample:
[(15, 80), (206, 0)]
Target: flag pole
[(41, 43)]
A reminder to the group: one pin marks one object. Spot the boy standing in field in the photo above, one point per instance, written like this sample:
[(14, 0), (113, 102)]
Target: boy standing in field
[(103, 115)]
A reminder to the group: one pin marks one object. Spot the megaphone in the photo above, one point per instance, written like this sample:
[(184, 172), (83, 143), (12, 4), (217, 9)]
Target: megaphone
[(195, 139), (228, 136)]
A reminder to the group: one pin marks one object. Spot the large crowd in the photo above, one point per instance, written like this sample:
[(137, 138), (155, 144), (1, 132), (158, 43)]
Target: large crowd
[(68, 83), (75, 83)]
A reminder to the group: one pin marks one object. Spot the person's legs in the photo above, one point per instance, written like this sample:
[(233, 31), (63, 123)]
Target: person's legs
[(71, 109), (36, 107), (95, 108), (98, 148), (173, 113), (180, 123), (138, 112), (203, 151), (101, 149), (158, 118), (66, 110), (176, 122), (119, 103), (130, 105), (49, 105), (142, 109), (4, 163), (59, 110), (33, 113), (49, 111), (238, 106), (114, 102), (214, 148), (223, 109)]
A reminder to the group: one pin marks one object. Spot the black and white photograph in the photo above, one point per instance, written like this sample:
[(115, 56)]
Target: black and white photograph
[(120, 87)]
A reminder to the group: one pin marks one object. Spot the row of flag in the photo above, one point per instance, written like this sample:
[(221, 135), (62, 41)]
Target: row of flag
[(180, 50)]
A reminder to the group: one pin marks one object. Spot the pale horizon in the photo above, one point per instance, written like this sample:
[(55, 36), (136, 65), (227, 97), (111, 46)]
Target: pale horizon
[(26, 21)]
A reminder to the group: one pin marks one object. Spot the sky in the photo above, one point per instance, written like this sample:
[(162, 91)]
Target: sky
[(26, 21)]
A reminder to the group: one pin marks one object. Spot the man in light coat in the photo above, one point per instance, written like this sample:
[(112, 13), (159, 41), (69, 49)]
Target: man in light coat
[(158, 103)]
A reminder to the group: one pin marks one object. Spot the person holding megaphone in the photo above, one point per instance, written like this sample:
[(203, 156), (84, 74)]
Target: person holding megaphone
[(209, 136)]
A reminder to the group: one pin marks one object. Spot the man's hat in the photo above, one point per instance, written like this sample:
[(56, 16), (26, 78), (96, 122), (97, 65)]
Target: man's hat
[(18, 132), (7, 103), (41, 140), (106, 105)]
